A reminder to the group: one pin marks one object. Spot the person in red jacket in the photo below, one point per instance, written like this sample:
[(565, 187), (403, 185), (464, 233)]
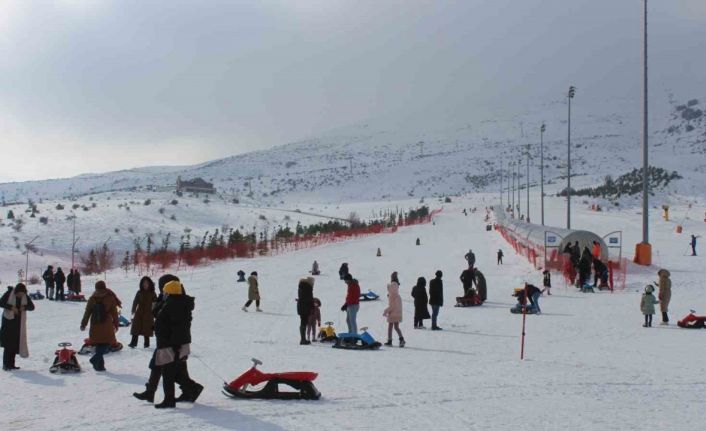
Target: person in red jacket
[(352, 303)]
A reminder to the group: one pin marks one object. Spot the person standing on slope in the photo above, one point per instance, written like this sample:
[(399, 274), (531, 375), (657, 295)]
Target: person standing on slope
[(190, 389), (470, 258), (421, 312), (436, 298), (500, 257), (102, 310), (352, 303), (393, 312), (665, 294), (547, 281), (693, 245), (59, 280), (173, 330), (142, 318), (15, 304), (305, 302), (253, 292), (48, 278), (647, 305)]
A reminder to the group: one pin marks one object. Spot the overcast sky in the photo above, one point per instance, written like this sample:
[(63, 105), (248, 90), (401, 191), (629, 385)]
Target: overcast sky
[(92, 86)]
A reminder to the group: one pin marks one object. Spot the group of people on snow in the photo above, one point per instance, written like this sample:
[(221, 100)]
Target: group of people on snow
[(57, 280), (582, 262)]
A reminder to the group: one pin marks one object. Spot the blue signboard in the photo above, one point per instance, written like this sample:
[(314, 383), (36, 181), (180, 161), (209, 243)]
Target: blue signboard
[(613, 240)]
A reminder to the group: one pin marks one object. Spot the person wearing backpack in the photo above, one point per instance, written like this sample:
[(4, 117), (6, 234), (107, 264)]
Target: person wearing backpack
[(102, 310)]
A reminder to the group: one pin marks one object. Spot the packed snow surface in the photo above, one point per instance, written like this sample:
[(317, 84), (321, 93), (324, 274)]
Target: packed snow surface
[(590, 365)]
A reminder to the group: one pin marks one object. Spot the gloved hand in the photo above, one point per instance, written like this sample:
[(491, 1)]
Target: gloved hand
[(344, 307)]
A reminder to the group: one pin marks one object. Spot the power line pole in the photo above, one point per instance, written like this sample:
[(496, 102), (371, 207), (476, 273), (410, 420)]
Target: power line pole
[(541, 169), (572, 91), (528, 182), (645, 137)]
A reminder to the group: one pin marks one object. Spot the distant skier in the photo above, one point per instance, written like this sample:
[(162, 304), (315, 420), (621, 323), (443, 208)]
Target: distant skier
[(436, 298), (241, 276), (421, 312), (500, 257), (253, 292), (647, 305), (379, 253), (547, 281), (693, 245), (343, 271), (315, 268), (418, 242), (352, 303), (48, 278)]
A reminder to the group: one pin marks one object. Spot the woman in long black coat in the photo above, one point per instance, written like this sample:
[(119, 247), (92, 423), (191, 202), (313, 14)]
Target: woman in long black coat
[(305, 302), (13, 334), (421, 300)]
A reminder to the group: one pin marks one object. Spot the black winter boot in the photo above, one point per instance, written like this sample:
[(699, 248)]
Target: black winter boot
[(191, 394), (147, 395), (133, 342), (302, 332), (147, 342)]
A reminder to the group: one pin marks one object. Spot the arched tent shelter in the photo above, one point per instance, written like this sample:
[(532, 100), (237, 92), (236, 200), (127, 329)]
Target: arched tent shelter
[(545, 243)]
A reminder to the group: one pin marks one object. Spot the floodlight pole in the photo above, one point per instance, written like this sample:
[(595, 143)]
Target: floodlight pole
[(541, 169)]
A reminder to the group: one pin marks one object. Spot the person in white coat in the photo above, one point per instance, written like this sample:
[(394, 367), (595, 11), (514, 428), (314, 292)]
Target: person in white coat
[(393, 312)]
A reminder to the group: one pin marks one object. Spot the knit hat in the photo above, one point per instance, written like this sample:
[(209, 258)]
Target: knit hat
[(347, 277), (439, 274), (20, 288), (173, 288), (100, 284), (310, 280), (649, 288)]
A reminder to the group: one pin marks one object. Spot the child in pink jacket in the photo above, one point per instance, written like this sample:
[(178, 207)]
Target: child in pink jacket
[(393, 312)]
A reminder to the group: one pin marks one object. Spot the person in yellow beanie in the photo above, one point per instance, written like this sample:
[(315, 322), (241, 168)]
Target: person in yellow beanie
[(174, 287)]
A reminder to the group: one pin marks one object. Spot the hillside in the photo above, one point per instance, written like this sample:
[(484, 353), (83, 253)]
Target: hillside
[(418, 160)]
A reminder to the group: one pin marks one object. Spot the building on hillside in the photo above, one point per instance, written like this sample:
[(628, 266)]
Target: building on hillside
[(197, 185)]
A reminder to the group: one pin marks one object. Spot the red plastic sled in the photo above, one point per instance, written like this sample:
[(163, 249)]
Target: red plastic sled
[(302, 381), (692, 321)]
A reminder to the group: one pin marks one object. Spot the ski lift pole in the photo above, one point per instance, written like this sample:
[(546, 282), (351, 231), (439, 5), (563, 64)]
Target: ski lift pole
[(522, 348), (27, 245)]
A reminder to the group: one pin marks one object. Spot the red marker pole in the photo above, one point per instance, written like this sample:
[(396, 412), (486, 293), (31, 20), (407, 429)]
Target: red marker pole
[(524, 317)]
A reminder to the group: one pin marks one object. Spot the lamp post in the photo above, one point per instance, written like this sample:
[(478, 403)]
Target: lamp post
[(643, 251), (541, 169), (528, 182), (572, 91), (27, 248), (512, 166), (508, 183), (519, 181)]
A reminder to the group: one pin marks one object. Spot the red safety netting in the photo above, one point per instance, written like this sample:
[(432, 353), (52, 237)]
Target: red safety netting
[(270, 247), (560, 262)]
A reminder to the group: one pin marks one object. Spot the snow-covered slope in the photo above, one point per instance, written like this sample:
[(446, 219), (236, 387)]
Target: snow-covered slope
[(416, 159), (590, 365)]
